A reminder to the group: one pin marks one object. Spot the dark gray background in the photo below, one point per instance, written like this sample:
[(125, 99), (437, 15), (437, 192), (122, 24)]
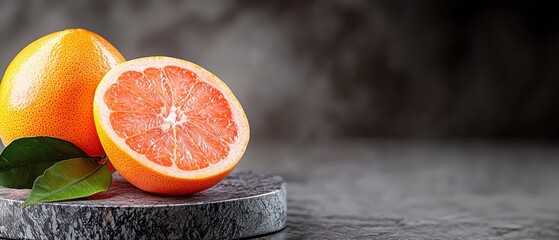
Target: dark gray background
[(312, 70), (399, 119)]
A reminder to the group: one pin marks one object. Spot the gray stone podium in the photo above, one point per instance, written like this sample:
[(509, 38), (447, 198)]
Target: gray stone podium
[(243, 205)]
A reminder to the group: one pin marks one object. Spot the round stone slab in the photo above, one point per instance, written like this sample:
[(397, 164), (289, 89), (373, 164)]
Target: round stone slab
[(243, 205)]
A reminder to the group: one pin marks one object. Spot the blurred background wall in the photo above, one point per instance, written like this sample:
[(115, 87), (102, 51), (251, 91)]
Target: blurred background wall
[(313, 70)]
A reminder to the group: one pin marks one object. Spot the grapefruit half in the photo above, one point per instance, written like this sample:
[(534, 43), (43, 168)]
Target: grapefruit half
[(168, 125)]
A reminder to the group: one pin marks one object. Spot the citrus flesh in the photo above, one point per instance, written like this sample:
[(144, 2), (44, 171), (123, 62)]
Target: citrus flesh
[(168, 125), (48, 88)]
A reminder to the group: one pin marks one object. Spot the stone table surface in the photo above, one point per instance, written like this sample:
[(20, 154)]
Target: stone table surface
[(243, 205), (414, 190), (395, 190)]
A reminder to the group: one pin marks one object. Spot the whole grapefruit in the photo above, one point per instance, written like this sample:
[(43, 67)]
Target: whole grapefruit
[(48, 88)]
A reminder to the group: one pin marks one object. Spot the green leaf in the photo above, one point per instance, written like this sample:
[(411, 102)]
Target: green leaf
[(25, 159), (70, 179)]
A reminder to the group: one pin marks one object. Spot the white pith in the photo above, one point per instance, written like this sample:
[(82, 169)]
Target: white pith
[(175, 116)]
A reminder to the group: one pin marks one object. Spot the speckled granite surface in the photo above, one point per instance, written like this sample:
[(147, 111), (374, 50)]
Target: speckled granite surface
[(243, 205)]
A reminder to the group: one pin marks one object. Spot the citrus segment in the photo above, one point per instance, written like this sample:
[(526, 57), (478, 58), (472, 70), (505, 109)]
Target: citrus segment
[(171, 118)]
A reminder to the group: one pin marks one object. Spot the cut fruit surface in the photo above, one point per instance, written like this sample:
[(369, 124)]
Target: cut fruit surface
[(172, 117), (168, 125)]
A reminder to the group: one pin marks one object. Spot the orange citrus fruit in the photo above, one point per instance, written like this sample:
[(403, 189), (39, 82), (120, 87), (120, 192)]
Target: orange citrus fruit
[(48, 88), (168, 125)]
